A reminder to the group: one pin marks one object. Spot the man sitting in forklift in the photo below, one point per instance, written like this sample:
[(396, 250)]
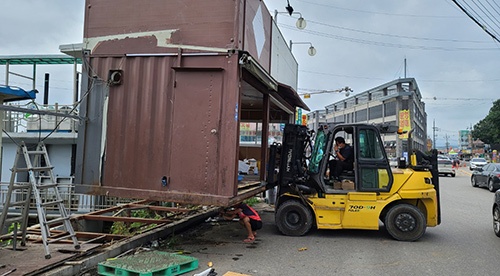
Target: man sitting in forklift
[(344, 159)]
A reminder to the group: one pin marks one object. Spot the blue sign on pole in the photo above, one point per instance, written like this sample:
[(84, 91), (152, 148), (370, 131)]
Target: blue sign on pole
[(298, 118)]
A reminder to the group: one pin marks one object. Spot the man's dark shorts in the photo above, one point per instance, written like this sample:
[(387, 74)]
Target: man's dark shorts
[(256, 225)]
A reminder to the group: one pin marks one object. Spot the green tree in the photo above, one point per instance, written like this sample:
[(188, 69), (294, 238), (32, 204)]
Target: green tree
[(488, 129)]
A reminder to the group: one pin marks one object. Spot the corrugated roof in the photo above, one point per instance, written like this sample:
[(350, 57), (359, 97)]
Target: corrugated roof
[(38, 59)]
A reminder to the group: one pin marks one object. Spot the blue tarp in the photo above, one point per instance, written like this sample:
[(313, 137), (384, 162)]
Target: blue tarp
[(13, 93)]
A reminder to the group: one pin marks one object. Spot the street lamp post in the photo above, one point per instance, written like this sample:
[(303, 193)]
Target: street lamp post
[(301, 22), (346, 89), (311, 51)]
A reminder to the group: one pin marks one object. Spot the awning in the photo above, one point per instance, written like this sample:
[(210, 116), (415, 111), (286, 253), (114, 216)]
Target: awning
[(12, 93), (284, 91), (255, 69), (38, 59), (291, 96)]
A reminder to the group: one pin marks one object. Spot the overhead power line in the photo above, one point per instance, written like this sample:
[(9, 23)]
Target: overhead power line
[(373, 78), (459, 99), (476, 20), (385, 44), (372, 12), (397, 36)]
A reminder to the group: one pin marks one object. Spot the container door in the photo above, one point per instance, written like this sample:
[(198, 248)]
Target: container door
[(195, 132)]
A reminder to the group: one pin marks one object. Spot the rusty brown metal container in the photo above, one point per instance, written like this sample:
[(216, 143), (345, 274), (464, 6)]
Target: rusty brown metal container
[(167, 84)]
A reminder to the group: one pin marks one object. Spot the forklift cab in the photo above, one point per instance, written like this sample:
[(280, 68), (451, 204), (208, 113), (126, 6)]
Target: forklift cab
[(371, 169)]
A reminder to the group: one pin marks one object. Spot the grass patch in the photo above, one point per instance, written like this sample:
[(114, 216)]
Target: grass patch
[(251, 201), (123, 228)]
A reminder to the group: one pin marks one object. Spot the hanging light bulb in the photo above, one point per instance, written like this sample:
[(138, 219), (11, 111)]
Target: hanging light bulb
[(311, 51), (301, 23)]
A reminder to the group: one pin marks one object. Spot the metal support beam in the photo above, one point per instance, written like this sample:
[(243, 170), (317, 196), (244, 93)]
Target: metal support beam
[(40, 112)]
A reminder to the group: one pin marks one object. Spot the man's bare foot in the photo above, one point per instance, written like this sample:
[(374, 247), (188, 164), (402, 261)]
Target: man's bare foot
[(249, 239)]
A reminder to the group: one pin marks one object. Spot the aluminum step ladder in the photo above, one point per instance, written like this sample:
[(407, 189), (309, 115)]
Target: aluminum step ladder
[(37, 165)]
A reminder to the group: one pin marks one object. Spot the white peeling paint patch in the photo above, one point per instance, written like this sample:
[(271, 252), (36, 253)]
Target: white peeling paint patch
[(103, 137), (161, 37), (199, 48)]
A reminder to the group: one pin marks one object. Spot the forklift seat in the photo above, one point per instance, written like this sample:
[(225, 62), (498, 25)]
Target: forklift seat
[(347, 175)]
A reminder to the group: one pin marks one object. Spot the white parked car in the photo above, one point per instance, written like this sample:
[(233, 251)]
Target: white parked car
[(477, 163), (445, 167), (440, 156), (393, 162)]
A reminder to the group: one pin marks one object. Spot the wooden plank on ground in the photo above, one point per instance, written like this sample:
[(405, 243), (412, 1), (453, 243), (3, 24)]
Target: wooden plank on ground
[(125, 219)]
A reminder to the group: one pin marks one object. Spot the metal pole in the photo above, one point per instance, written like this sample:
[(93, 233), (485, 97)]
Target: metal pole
[(7, 73), (75, 82), (447, 143), (46, 90), (434, 133), (34, 76), (75, 97), (405, 68)]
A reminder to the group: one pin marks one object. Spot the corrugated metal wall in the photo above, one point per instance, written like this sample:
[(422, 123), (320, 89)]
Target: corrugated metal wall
[(167, 129), (90, 132), (138, 122), (170, 130)]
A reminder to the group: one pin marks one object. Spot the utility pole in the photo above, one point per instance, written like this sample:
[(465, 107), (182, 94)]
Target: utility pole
[(447, 144), (434, 128), (405, 68), (469, 137)]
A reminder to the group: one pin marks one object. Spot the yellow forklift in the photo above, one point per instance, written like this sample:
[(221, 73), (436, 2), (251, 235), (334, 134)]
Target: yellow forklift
[(405, 199)]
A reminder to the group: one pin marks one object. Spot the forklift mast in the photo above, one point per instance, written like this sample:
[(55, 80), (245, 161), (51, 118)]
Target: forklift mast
[(291, 155)]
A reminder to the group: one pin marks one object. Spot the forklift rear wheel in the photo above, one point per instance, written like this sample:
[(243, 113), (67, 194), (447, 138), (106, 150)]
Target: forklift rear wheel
[(405, 222), (293, 218)]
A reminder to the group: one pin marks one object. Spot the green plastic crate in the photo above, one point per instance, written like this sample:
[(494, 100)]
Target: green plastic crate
[(152, 263)]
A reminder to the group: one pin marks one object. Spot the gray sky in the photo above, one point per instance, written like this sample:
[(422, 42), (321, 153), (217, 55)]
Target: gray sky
[(363, 44), (360, 43), (39, 27)]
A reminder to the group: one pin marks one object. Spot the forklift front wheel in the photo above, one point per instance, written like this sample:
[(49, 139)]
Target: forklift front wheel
[(293, 218), (405, 222)]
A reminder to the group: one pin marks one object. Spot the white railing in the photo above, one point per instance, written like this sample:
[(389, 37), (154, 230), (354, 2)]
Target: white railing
[(15, 121), (74, 203)]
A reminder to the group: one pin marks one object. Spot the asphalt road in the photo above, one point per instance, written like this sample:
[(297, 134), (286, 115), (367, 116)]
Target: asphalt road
[(464, 244)]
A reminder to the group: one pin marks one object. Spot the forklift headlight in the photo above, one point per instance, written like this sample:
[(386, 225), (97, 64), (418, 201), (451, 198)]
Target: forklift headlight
[(428, 180)]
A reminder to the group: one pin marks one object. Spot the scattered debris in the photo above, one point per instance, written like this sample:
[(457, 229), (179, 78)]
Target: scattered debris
[(229, 273), (207, 272), (9, 272)]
